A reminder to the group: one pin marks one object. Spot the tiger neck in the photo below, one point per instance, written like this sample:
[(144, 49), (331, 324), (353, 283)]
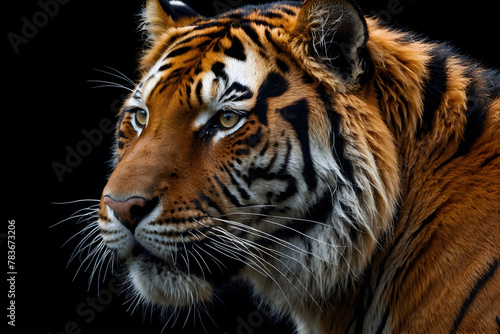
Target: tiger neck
[(422, 93), (428, 97)]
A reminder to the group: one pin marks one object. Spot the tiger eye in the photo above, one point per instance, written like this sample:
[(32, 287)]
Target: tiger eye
[(141, 118), (228, 119)]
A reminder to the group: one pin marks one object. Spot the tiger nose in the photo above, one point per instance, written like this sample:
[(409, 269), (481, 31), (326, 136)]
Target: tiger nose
[(130, 211)]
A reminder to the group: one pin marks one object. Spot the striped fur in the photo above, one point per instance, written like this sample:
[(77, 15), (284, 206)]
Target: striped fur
[(349, 171)]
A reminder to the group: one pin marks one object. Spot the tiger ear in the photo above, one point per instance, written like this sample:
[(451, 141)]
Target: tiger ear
[(161, 15), (334, 33)]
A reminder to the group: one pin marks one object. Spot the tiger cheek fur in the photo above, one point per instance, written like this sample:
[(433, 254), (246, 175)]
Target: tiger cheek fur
[(279, 144)]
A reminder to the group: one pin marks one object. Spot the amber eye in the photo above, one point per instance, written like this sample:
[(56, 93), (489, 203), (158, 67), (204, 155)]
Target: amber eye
[(141, 118), (228, 119)]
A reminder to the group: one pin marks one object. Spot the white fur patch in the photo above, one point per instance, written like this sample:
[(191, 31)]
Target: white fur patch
[(167, 287)]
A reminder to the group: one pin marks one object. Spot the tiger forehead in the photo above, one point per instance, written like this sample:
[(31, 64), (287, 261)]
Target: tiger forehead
[(215, 38), (216, 79)]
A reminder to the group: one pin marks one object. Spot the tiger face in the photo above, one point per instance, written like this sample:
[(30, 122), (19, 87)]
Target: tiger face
[(233, 158)]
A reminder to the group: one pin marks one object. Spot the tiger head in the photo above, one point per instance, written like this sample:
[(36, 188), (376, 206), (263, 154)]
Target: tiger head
[(239, 154)]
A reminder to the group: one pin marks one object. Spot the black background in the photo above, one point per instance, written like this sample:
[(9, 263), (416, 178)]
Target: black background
[(50, 102)]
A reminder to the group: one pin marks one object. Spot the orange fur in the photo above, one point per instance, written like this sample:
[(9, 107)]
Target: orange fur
[(427, 252)]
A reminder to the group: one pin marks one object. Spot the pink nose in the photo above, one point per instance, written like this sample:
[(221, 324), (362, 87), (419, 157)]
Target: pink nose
[(130, 211)]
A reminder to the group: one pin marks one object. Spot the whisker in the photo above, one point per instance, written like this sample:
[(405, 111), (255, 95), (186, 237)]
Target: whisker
[(268, 236), (283, 217), (110, 84), (187, 317), (80, 248), (298, 232), (77, 201), (218, 262), (90, 254), (109, 265), (234, 255), (74, 216), (98, 263), (262, 270), (117, 74), (294, 248), (269, 251), (85, 229), (94, 253), (134, 301)]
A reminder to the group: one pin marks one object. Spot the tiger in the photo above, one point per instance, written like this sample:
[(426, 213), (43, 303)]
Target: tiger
[(347, 170)]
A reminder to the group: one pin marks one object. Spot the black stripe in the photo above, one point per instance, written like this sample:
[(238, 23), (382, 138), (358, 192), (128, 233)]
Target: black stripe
[(197, 205), (210, 203), (173, 38), (284, 166), (264, 149), (227, 192), (288, 11), (289, 191), (252, 34), (485, 277), (165, 67), (297, 114), (218, 69), (242, 151), (490, 159), (255, 138), (364, 298), (178, 52), (121, 134), (320, 211), (338, 141), (265, 173), (243, 193), (434, 88), (387, 80), (477, 111), (271, 15), (252, 140), (242, 92), (210, 24), (198, 93), (236, 50), (282, 65), (244, 22), (255, 173), (162, 89), (274, 85), (291, 188), (273, 43), (174, 74), (478, 104), (209, 37), (188, 95)]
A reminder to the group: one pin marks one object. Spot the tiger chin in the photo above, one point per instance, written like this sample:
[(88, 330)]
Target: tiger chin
[(348, 171)]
